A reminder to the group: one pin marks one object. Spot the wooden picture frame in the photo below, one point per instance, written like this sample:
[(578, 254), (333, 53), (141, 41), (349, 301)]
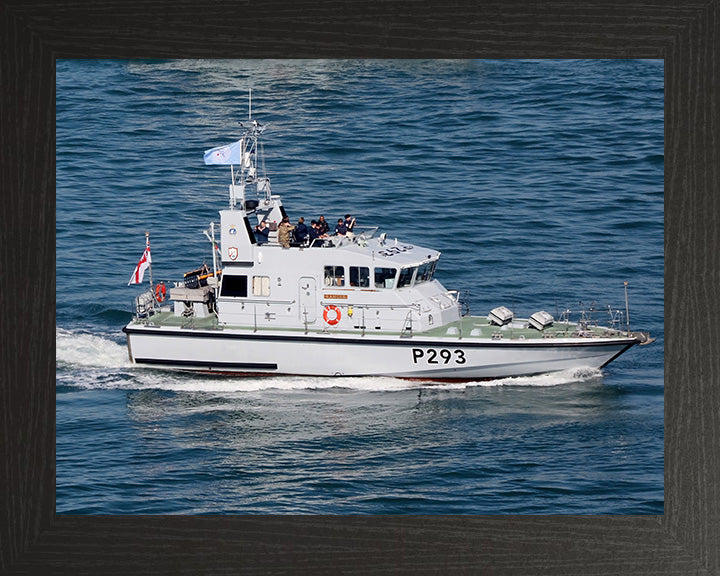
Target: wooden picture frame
[(682, 541)]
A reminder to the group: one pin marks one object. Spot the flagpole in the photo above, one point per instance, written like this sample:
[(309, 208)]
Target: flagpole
[(147, 247), (233, 198), (212, 232)]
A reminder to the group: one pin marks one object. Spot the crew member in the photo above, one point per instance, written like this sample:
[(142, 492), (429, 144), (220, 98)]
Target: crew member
[(261, 233), (340, 229), (316, 238), (284, 232), (323, 226), (301, 231)]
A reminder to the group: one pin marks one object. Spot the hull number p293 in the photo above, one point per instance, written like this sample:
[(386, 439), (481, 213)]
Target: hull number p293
[(435, 356)]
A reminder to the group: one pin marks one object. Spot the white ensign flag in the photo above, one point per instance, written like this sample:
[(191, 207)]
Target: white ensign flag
[(137, 276)]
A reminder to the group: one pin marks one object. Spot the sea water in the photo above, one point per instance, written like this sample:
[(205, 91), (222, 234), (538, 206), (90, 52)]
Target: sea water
[(541, 182)]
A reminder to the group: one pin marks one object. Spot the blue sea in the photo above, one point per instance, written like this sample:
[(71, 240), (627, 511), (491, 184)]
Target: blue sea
[(540, 181)]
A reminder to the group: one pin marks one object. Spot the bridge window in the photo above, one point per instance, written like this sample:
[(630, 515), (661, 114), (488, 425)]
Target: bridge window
[(406, 276), (425, 272), (234, 286), (334, 276), (385, 277), (359, 277)]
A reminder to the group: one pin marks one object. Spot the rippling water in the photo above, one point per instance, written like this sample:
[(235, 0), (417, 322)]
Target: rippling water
[(540, 181)]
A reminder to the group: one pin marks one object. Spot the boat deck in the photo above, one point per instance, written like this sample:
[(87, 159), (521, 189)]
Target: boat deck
[(469, 327), (480, 327)]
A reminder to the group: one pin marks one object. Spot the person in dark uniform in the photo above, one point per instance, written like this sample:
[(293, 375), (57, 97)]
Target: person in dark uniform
[(316, 238), (350, 225), (313, 232), (301, 231), (262, 231), (340, 229), (323, 226)]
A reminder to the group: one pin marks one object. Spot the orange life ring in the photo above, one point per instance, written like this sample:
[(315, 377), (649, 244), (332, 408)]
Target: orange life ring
[(336, 318), (160, 292)]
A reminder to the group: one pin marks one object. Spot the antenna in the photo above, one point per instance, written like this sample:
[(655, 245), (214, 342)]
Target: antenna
[(250, 105), (627, 310)]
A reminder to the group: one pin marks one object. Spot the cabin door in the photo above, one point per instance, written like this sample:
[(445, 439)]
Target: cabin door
[(307, 300)]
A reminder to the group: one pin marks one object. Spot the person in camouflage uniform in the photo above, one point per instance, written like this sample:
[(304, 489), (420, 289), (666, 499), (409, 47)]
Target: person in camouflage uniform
[(284, 231)]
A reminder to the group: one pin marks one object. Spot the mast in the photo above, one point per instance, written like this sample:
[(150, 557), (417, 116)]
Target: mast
[(243, 153), (250, 151)]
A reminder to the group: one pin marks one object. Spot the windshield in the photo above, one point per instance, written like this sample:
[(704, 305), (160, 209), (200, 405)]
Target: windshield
[(406, 276), (425, 272), (385, 277)]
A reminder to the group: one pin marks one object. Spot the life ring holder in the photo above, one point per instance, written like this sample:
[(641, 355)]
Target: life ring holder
[(160, 292), (331, 308)]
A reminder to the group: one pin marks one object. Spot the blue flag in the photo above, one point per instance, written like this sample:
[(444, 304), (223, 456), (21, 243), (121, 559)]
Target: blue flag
[(229, 154)]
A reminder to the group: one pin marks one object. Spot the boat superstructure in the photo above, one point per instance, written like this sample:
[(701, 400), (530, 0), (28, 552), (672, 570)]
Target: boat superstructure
[(353, 304)]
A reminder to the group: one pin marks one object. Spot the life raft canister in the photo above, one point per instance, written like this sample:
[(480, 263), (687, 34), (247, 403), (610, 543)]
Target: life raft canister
[(160, 292), (331, 314)]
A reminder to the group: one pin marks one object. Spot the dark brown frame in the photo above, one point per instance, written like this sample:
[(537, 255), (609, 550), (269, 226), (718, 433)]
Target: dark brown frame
[(682, 541)]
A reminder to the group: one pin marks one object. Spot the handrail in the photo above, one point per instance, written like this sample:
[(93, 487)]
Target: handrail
[(361, 230), (253, 300), (364, 306)]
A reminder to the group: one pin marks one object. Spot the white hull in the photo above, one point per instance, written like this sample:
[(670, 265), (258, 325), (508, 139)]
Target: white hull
[(248, 352), (349, 304)]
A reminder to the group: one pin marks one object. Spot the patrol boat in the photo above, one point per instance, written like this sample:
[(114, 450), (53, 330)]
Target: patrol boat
[(352, 305)]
